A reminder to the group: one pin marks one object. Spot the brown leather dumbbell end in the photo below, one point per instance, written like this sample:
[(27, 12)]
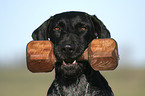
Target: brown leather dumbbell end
[(40, 57), (103, 54)]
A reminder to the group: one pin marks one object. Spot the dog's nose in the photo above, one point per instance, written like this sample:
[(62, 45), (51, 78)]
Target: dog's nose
[(68, 49)]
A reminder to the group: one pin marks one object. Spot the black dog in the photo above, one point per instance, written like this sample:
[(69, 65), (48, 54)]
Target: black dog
[(71, 32)]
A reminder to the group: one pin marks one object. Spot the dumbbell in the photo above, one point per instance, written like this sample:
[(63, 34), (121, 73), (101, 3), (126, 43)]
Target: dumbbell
[(102, 54)]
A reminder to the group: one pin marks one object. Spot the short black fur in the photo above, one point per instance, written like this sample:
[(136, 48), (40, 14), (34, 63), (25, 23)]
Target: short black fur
[(71, 32)]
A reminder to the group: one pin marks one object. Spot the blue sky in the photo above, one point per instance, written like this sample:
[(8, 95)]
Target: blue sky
[(124, 18)]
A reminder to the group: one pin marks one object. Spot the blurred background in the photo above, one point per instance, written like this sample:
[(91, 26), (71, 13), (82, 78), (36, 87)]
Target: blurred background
[(125, 19)]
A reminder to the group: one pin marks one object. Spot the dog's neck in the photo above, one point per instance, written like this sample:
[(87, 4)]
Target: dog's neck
[(71, 81), (80, 85)]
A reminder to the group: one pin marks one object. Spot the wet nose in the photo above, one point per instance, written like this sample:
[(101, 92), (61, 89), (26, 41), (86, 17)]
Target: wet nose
[(68, 49)]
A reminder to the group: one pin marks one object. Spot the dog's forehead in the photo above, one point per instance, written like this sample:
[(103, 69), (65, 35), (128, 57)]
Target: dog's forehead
[(72, 16)]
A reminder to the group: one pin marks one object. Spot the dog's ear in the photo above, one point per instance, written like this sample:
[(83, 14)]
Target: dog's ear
[(41, 32), (100, 29)]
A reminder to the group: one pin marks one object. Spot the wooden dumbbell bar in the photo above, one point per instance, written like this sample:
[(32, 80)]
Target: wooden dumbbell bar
[(102, 54)]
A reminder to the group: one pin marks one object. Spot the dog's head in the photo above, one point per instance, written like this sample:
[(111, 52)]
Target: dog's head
[(70, 32)]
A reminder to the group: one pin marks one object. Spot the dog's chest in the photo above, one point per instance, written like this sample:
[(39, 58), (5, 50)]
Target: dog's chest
[(80, 88)]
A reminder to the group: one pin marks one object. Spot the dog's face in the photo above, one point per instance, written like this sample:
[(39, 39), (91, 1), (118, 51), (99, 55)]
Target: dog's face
[(71, 32)]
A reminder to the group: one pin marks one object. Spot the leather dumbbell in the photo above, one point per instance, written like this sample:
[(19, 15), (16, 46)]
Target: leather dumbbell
[(102, 54)]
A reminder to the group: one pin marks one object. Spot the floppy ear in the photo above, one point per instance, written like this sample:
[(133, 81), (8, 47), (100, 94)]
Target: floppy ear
[(100, 28), (41, 32)]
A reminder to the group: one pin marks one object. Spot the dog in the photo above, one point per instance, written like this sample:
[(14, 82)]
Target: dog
[(71, 32)]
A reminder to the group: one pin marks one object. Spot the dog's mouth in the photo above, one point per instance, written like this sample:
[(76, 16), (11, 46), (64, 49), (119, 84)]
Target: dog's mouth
[(74, 62)]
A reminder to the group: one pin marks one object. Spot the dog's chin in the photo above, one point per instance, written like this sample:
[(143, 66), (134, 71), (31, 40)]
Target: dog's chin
[(69, 70)]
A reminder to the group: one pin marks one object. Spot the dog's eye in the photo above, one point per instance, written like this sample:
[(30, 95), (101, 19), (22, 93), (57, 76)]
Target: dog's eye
[(56, 28), (83, 28)]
